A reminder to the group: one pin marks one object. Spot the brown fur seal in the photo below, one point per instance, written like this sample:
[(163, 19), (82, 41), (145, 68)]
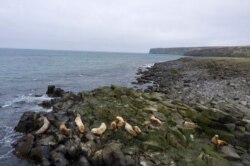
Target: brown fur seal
[(79, 123), (137, 129), (64, 130), (217, 142), (100, 130), (45, 126), (130, 129), (113, 125), (188, 124), (119, 121), (154, 120)]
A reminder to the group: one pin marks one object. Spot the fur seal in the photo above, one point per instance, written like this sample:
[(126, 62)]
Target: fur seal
[(100, 130), (130, 129), (64, 130), (119, 121), (188, 124), (113, 125), (217, 142), (45, 126), (146, 123), (137, 129), (154, 120), (79, 123)]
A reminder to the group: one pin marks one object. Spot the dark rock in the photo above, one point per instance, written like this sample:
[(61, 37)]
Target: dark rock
[(24, 145), (58, 159), (50, 90), (40, 154), (46, 104), (27, 122), (97, 159), (247, 127), (112, 155), (58, 92), (47, 141), (230, 153), (83, 161), (72, 148), (60, 149), (60, 138), (49, 103), (38, 95), (86, 149)]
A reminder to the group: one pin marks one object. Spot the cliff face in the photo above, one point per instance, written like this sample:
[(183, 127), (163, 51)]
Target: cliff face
[(241, 51)]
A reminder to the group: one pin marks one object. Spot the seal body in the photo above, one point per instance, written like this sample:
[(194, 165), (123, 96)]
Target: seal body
[(100, 130), (155, 120), (217, 142), (79, 123), (45, 126), (119, 121), (130, 129), (137, 129), (64, 130)]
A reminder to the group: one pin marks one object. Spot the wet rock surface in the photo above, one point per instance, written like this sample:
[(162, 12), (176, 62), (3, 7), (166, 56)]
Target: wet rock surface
[(201, 80), (170, 142)]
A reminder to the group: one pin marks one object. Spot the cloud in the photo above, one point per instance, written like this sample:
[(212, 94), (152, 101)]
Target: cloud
[(118, 25)]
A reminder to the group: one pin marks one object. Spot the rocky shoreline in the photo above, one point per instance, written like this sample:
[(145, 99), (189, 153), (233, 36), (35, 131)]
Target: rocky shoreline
[(181, 135)]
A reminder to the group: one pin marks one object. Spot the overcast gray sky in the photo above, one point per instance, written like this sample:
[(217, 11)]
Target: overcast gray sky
[(123, 25)]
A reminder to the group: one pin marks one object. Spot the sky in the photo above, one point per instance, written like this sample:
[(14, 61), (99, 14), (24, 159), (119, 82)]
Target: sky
[(123, 25)]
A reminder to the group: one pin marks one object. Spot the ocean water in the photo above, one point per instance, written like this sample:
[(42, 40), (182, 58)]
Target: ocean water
[(25, 73)]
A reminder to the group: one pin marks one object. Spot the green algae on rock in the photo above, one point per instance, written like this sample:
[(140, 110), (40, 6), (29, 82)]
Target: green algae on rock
[(167, 144)]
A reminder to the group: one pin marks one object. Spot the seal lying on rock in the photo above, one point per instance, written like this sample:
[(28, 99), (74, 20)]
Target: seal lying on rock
[(100, 130), (217, 142), (119, 121), (188, 124), (154, 120), (79, 123), (64, 130), (44, 127), (130, 129), (113, 125), (137, 129)]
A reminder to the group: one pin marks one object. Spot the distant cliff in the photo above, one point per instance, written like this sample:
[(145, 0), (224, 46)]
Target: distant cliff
[(237, 51)]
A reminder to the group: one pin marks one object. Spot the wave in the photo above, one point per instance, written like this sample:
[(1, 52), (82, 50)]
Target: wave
[(147, 65), (26, 99), (8, 137)]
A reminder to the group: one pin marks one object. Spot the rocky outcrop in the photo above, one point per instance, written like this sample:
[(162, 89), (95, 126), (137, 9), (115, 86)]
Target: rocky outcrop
[(167, 143), (234, 51)]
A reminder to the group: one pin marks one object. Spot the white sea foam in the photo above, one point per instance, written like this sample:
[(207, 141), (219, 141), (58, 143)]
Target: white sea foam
[(8, 137), (26, 99), (148, 65)]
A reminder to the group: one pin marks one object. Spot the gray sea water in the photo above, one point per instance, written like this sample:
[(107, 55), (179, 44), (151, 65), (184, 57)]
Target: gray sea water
[(25, 73)]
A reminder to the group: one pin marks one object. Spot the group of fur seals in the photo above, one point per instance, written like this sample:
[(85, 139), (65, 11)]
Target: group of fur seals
[(120, 122)]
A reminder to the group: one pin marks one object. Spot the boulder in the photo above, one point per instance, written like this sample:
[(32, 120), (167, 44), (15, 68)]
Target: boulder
[(27, 122), (58, 159), (112, 155), (72, 148), (40, 154), (24, 145), (52, 91), (83, 161), (230, 153)]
